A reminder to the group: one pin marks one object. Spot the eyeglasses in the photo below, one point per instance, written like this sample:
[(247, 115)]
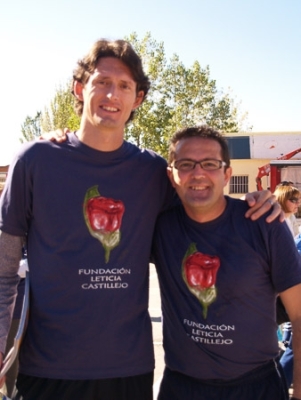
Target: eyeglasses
[(295, 200), (207, 164)]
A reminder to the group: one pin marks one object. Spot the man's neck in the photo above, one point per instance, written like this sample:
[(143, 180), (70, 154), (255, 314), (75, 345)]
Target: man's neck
[(101, 140), (206, 214)]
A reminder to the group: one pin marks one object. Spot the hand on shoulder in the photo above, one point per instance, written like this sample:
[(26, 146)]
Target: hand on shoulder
[(260, 202), (59, 135)]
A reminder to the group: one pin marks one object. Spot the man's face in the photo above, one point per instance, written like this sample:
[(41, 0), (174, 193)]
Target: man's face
[(201, 191), (109, 96)]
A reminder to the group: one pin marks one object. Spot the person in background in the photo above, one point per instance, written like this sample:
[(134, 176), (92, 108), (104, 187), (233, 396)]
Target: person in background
[(289, 198), (219, 278), (286, 183)]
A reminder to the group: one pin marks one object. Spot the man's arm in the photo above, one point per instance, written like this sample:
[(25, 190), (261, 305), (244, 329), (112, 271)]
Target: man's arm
[(291, 299), (10, 255)]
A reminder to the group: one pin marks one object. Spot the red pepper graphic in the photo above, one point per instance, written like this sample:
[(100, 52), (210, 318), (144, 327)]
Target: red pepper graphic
[(104, 214), (103, 217), (199, 273), (201, 270)]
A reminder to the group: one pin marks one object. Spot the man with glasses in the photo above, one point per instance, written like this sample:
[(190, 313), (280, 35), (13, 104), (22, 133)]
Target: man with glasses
[(219, 278)]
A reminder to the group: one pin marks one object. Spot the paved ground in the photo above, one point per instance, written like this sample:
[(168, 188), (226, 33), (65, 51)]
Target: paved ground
[(155, 312)]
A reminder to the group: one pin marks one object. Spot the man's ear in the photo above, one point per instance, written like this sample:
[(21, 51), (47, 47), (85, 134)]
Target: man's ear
[(139, 100), (228, 174), (170, 175), (78, 90)]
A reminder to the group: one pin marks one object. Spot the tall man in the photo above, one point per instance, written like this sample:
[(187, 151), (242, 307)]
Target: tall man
[(219, 277), (87, 208)]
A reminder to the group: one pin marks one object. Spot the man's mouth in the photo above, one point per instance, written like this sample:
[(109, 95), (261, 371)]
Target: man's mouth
[(110, 109), (198, 188)]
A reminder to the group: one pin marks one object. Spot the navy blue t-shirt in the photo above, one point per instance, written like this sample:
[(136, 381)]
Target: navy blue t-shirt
[(89, 218), (218, 283)]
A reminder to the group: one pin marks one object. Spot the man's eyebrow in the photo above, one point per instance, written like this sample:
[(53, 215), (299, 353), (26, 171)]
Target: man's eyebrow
[(104, 76), (128, 82)]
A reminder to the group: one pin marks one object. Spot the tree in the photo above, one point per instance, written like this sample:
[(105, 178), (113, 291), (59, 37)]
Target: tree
[(179, 97), (60, 113), (31, 128)]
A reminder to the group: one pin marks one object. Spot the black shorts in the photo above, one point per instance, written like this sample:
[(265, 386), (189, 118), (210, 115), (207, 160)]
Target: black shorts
[(139, 387), (263, 383)]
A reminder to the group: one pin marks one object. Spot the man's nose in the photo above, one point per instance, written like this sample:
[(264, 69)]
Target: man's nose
[(112, 92), (198, 170)]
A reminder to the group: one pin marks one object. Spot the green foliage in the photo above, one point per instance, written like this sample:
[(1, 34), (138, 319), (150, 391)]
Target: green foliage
[(31, 128), (179, 96), (61, 112)]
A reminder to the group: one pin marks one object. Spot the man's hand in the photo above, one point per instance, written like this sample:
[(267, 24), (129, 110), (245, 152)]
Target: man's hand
[(59, 135), (261, 202)]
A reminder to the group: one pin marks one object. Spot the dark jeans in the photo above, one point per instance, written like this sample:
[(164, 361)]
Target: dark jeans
[(263, 383), (130, 388)]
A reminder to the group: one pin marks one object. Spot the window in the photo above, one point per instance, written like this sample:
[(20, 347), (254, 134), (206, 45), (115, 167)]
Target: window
[(239, 184), (239, 147)]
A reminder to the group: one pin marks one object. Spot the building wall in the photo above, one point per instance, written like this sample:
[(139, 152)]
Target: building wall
[(248, 152), (3, 174), (248, 168)]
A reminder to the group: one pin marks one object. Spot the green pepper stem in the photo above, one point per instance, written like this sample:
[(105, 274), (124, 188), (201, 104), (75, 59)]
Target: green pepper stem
[(107, 253)]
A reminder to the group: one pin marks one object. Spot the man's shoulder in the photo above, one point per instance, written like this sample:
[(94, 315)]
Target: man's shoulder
[(41, 150), (172, 213), (241, 204), (237, 209), (236, 206), (36, 146), (151, 156), (148, 160)]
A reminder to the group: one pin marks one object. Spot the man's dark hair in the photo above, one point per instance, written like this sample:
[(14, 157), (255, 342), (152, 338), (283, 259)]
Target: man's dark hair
[(120, 49), (204, 132)]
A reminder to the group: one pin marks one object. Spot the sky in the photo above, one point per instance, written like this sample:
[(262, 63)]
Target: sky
[(252, 47)]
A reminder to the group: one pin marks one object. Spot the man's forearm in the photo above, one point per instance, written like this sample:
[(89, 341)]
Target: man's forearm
[(10, 255)]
